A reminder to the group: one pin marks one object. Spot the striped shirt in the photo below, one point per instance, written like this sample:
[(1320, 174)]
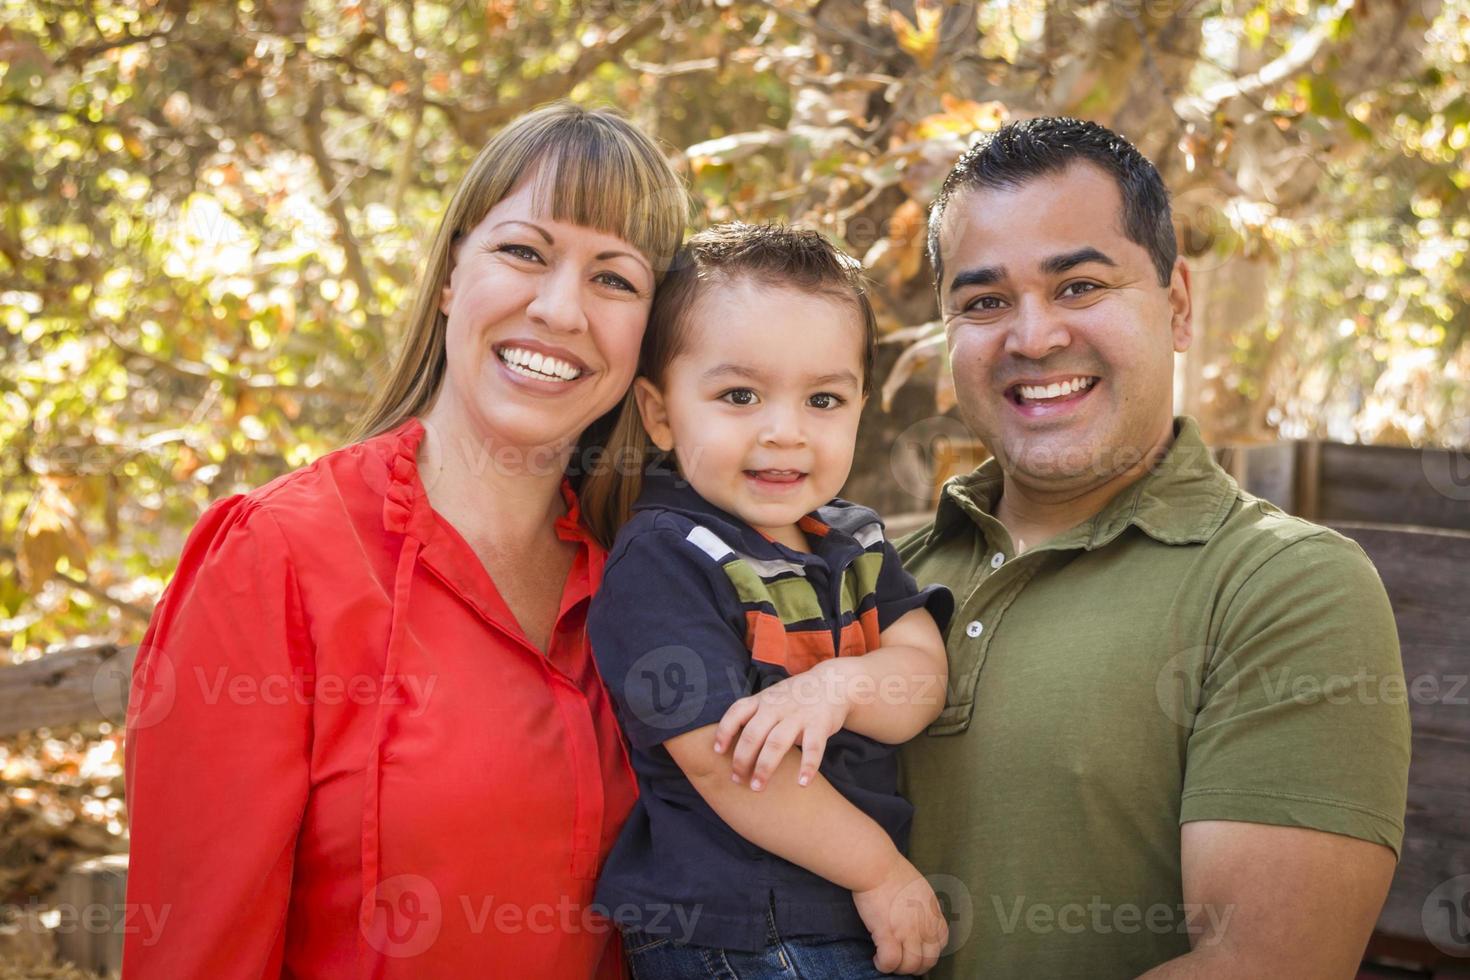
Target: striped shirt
[(696, 610)]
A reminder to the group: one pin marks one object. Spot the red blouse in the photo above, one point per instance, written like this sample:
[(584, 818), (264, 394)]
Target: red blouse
[(345, 759)]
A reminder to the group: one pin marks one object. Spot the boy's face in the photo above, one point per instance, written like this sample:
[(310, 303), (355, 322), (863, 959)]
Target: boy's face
[(761, 407)]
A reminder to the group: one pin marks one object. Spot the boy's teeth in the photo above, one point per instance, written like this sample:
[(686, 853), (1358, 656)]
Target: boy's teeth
[(1056, 390), (534, 364)]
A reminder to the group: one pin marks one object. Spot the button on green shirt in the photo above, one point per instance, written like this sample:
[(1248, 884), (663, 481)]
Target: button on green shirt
[(1190, 653)]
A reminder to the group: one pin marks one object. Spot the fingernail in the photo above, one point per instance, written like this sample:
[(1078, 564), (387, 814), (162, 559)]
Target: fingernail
[(755, 784), (719, 747), (804, 779), (734, 777)]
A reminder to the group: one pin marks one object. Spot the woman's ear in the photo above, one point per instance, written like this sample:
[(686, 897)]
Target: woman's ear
[(654, 412), (446, 293)]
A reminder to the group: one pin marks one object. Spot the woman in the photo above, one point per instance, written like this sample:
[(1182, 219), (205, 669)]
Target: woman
[(367, 738)]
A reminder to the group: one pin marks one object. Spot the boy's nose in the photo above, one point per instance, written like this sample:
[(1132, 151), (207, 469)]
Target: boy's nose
[(781, 427)]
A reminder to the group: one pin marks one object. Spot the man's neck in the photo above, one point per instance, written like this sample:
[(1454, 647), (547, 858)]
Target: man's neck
[(1035, 513)]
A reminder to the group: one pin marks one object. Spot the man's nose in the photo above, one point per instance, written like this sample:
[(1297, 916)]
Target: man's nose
[(1035, 331), (558, 302)]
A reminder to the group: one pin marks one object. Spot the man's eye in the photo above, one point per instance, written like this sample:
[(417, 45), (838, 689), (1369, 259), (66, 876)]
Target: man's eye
[(985, 303), (825, 399), (739, 396), (1079, 288)]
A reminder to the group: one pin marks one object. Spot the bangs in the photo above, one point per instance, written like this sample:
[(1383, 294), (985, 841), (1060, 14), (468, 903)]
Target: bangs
[(592, 176)]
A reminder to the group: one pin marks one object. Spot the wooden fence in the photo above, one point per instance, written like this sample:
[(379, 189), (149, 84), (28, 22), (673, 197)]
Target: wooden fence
[(1410, 511)]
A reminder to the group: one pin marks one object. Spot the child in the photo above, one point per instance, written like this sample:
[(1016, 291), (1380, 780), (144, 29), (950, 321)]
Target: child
[(744, 612)]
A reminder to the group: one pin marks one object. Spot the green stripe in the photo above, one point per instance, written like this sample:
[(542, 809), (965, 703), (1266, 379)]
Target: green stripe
[(793, 598), (860, 580)]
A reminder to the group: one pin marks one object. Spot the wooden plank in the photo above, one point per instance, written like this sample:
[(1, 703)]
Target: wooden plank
[(1394, 485), (1427, 576), (87, 683), (91, 900)]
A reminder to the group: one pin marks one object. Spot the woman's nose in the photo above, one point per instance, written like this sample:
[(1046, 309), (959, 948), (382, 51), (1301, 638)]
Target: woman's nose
[(557, 304), (1035, 331)]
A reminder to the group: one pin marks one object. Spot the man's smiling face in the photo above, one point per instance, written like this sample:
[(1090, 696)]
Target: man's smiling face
[(1060, 337)]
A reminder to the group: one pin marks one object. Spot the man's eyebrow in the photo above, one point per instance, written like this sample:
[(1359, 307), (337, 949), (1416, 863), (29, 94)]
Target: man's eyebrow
[(1057, 264), (987, 275)]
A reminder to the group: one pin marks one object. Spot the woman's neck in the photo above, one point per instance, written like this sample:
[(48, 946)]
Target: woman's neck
[(488, 491)]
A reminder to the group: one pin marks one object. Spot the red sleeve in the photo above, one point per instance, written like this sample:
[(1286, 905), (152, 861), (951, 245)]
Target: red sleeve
[(217, 755)]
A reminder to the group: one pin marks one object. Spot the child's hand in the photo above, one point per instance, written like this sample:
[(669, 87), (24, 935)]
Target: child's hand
[(904, 917), (801, 710)]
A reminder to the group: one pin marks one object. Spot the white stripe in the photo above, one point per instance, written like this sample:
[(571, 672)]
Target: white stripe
[(771, 567), (709, 542), (869, 534)]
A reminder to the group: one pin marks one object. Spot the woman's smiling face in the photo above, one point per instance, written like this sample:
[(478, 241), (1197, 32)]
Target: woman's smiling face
[(545, 320)]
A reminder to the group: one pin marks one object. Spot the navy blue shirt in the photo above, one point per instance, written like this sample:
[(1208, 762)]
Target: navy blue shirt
[(696, 610)]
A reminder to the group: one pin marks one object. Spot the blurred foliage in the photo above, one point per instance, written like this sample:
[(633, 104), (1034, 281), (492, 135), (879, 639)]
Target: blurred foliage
[(210, 214)]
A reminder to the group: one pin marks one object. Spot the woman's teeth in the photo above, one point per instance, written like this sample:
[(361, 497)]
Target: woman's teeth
[(533, 364), (1061, 389)]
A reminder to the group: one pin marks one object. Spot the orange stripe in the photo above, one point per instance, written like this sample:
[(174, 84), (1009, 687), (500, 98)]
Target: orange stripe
[(770, 643), (871, 636)]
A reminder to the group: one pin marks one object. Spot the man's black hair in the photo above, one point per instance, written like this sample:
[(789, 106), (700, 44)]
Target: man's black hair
[(1021, 151)]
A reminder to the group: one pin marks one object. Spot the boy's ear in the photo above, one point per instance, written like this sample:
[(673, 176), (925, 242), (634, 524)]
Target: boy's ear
[(654, 413)]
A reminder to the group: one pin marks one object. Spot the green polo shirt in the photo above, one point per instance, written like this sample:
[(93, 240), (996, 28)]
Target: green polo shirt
[(1190, 653)]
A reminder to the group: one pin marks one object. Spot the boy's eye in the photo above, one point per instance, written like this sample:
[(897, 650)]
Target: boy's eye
[(739, 396), (825, 399)]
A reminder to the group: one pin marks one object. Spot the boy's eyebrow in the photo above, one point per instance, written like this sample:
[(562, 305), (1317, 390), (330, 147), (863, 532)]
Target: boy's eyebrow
[(751, 374), (739, 370)]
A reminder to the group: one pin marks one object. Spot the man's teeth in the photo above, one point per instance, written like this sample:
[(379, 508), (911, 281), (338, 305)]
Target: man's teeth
[(1041, 392), (534, 364)]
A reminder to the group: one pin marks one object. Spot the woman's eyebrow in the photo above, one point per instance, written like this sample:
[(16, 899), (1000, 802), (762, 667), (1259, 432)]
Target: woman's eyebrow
[(536, 228)]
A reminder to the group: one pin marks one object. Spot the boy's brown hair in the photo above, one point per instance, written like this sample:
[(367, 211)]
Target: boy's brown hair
[(769, 255)]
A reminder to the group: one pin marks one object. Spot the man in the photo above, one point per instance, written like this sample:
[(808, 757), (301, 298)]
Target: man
[(1167, 749)]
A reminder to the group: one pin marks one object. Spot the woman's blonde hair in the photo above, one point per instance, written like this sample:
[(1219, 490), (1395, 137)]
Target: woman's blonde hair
[(768, 255), (595, 168)]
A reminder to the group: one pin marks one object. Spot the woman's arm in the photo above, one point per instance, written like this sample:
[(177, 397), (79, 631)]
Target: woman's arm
[(217, 751)]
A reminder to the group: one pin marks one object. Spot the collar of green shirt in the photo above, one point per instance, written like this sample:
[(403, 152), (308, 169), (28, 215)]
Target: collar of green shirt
[(1183, 501)]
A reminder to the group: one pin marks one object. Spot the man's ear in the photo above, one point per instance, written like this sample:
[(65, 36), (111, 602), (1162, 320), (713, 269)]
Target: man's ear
[(654, 412), (1181, 322)]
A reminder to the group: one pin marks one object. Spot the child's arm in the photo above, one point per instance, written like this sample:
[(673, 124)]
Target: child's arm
[(818, 829), (890, 694)]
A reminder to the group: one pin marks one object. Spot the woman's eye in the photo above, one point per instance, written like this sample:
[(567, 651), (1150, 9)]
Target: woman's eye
[(615, 281), (739, 396), (1079, 288), (521, 252), (825, 399)]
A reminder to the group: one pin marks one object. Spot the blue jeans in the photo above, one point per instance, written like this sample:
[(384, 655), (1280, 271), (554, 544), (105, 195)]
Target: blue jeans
[(802, 958)]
